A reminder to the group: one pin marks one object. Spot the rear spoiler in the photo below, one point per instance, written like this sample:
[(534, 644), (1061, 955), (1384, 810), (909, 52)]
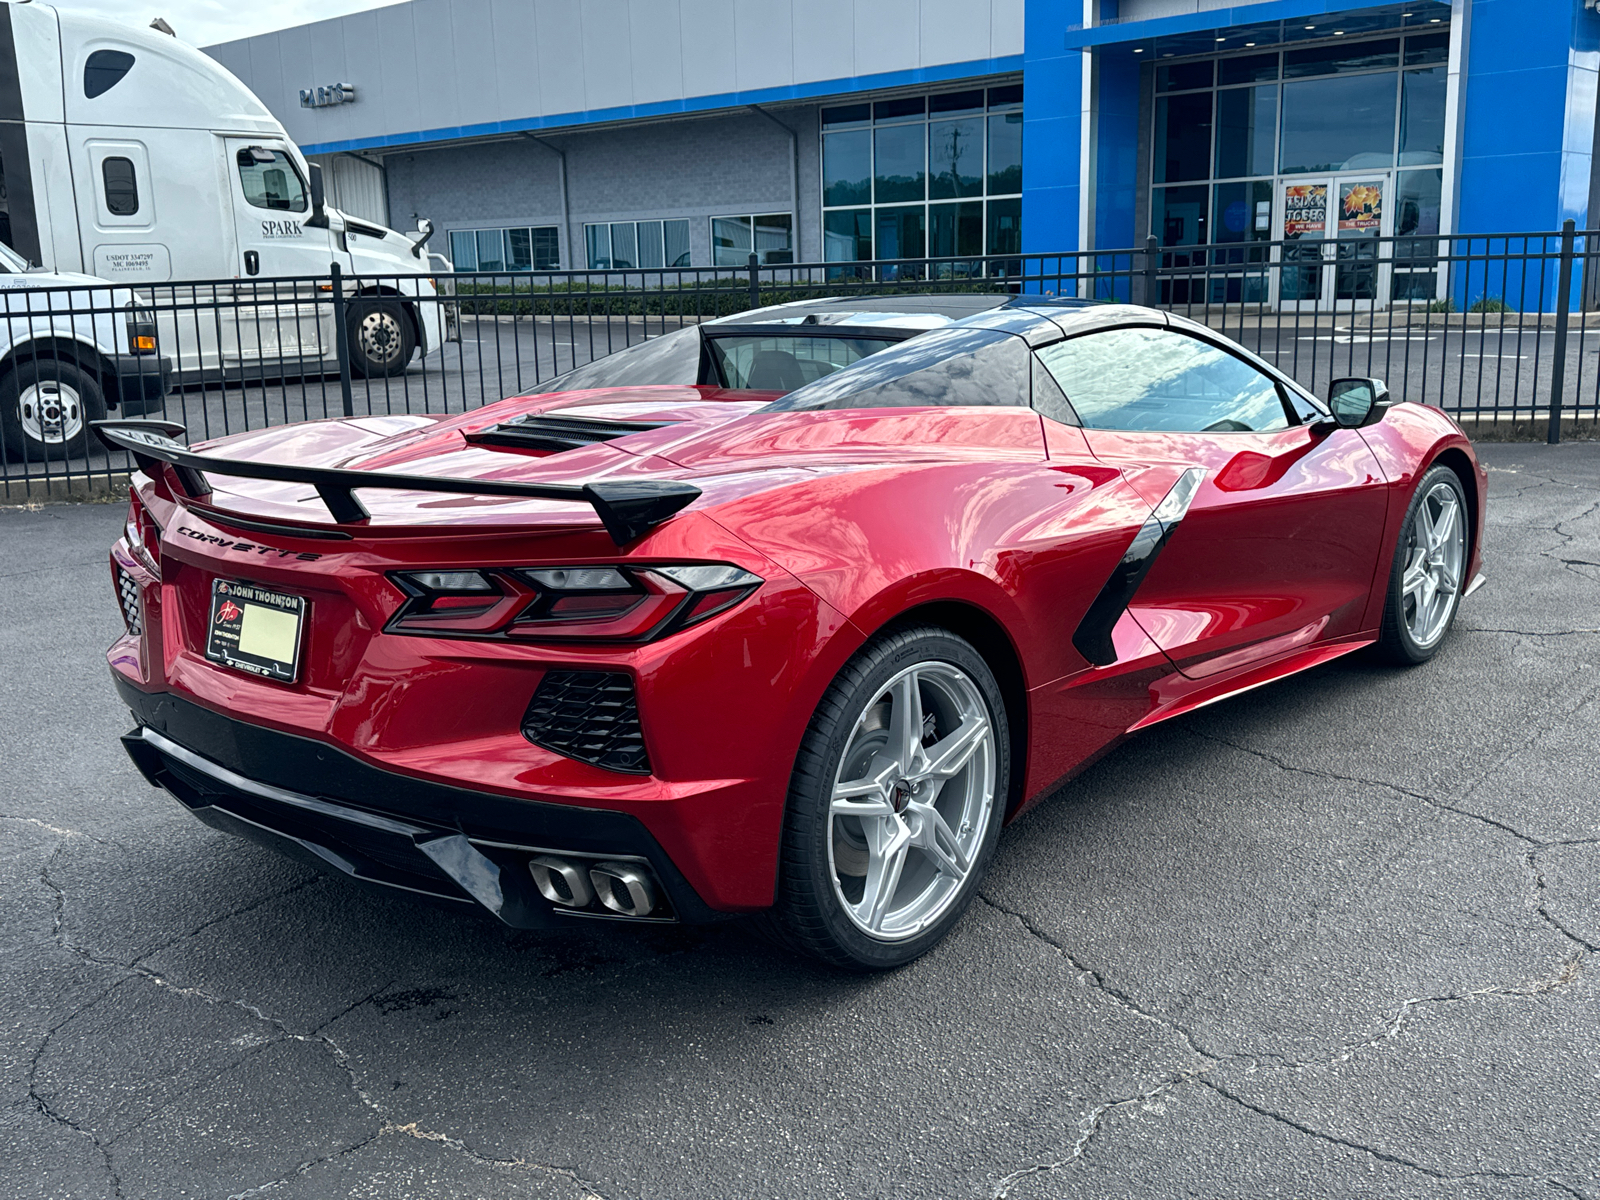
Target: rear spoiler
[(628, 509)]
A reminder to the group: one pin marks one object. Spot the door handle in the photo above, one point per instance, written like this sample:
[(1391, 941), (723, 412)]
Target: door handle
[(252, 262)]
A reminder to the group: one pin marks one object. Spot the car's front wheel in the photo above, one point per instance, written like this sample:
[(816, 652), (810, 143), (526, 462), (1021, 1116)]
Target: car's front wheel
[(1429, 571), (895, 804)]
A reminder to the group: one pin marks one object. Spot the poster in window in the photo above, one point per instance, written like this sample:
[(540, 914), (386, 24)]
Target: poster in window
[(1360, 207), (1305, 210)]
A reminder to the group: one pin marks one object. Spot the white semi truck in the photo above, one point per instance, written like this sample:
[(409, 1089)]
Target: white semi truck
[(127, 155)]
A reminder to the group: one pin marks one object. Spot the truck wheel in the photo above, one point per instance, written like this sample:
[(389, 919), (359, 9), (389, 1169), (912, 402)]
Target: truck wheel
[(382, 338), (46, 405)]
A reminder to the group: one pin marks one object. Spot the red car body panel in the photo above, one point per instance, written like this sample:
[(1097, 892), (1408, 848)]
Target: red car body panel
[(851, 518)]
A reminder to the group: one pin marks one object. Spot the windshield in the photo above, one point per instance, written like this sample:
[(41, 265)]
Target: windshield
[(782, 363)]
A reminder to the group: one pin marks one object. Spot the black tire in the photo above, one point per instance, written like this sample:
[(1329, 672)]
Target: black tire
[(382, 338), (1396, 643), (38, 395), (809, 914)]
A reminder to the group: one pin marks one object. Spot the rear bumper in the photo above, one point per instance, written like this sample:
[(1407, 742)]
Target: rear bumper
[(392, 830), (138, 382)]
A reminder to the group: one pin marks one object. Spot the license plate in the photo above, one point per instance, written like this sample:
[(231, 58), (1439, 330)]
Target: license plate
[(255, 630)]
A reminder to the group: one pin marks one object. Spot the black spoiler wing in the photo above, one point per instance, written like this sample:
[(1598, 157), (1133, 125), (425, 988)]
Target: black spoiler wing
[(628, 509)]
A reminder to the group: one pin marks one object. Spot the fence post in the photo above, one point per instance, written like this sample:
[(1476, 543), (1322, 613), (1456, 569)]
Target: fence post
[(1558, 369), (755, 282), (1152, 253), (341, 340)]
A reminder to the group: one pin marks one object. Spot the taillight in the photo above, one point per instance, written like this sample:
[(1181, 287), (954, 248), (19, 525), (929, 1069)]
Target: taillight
[(143, 534), (592, 603)]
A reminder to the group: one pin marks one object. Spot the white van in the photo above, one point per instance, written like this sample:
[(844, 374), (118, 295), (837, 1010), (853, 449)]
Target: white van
[(128, 155)]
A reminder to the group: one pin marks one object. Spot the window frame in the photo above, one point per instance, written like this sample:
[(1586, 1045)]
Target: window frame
[(663, 222), (752, 218), (505, 244)]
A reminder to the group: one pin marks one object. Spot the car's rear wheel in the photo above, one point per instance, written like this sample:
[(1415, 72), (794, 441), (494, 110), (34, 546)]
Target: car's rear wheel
[(896, 802), (1429, 572), (46, 405)]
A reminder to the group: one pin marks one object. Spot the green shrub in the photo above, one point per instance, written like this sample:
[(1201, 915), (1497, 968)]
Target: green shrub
[(1490, 305), (1442, 306)]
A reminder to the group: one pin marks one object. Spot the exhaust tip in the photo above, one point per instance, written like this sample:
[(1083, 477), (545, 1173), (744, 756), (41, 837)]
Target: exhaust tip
[(560, 882), (623, 888)]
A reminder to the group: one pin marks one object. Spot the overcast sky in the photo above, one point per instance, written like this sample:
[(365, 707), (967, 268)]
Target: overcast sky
[(207, 22)]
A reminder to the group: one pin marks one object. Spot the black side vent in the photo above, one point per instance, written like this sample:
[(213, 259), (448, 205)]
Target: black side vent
[(551, 431), (591, 716), (132, 608)]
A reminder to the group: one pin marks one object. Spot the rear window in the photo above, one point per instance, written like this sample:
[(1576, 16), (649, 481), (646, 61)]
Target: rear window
[(942, 368), (782, 364)]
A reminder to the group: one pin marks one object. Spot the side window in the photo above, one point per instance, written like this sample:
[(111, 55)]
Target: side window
[(104, 70), (270, 180), (1154, 379), (122, 188)]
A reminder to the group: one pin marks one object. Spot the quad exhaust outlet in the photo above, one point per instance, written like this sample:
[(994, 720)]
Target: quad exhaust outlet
[(623, 888)]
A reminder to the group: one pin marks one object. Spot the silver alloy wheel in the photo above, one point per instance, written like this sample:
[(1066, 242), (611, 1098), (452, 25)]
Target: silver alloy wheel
[(1435, 557), (51, 411), (911, 801), (380, 336)]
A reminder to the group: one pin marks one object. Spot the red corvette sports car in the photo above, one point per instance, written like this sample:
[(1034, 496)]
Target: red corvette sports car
[(670, 653)]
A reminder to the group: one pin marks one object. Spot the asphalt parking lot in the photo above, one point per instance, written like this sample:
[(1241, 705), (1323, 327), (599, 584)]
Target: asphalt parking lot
[(1332, 938)]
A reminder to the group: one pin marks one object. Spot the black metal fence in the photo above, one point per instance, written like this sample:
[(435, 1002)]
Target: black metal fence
[(1498, 330)]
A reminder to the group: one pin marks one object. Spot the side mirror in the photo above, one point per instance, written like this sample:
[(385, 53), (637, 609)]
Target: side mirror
[(1357, 403), (319, 212), (425, 231)]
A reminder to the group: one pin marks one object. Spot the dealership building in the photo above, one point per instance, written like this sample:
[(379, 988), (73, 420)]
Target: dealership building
[(642, 133)]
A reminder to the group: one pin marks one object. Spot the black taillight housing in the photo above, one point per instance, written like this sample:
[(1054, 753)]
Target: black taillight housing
[(590, 602)]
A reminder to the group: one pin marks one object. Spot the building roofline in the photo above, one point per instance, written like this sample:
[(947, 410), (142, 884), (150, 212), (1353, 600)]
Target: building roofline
[(942, 73)]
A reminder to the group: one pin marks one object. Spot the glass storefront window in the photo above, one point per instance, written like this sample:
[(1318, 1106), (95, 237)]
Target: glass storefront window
[(1182, 77), (769, 235), (847, 167), (1183, 137), (1244, 212), (1005, 227), (1340, 59), (1178, 215), (955, 229), (901, 232), (1425, 51), (961, 151), (847, 235), (638, 245), (1253, 68), (624, 245), (1422, 95), (1338, 124), (1005, 154), (899, 163), (955, 159), (524, 249), (491, 253), (1247, 131)]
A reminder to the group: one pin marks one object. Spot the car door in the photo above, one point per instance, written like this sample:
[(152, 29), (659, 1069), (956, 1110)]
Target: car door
[(1278, 545)]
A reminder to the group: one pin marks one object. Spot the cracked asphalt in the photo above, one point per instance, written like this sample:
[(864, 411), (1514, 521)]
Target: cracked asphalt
[(1332, 938)]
